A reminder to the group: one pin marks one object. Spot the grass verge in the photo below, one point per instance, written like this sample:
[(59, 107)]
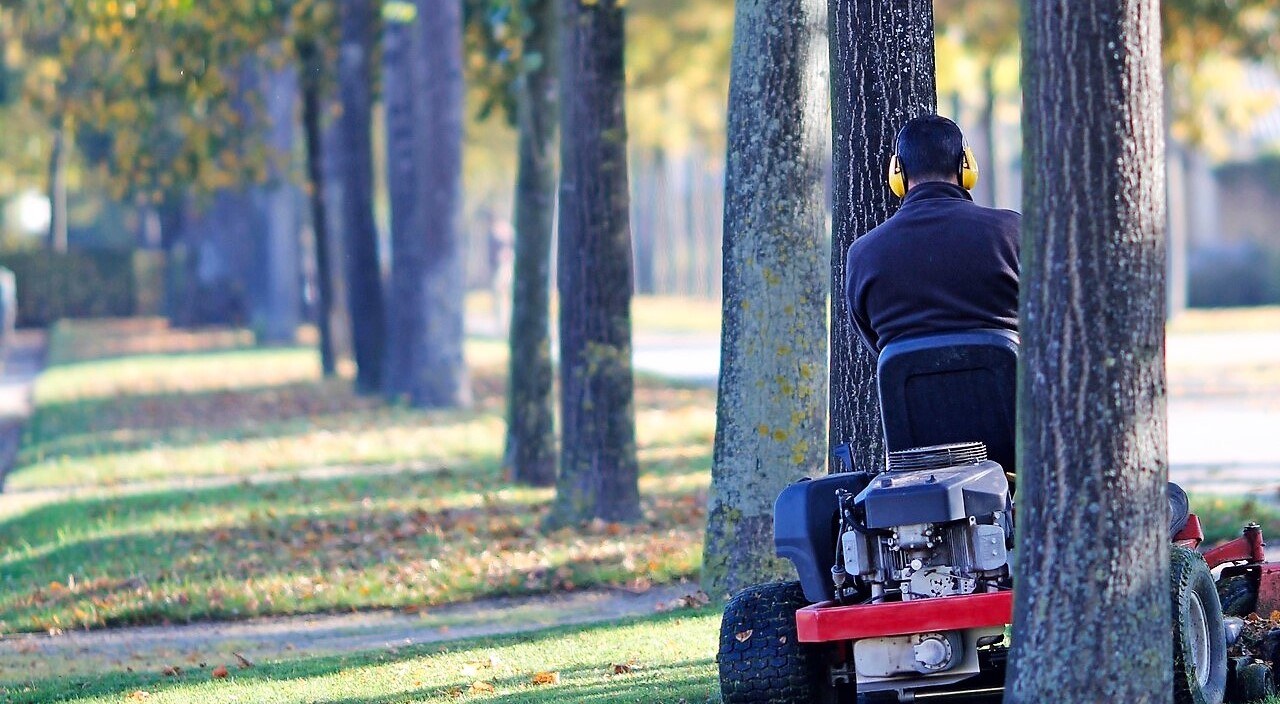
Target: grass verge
[(409, 509), (667, 658)]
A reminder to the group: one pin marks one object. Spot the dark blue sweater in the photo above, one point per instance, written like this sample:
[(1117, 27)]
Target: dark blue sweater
[(941, 263)]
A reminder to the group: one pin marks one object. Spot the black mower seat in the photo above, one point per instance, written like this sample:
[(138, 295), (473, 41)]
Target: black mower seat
[(949, 388)]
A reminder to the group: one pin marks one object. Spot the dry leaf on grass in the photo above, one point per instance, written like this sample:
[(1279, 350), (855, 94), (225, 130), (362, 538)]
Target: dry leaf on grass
[(171, 671), (546, 678), (138, 696), (245, 663), (695, 600), (219, 672), (482, 687), (623, 669)]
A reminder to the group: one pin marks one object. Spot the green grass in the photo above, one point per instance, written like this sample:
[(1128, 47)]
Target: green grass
[(1221, 518), (667, 658), (413, 510)]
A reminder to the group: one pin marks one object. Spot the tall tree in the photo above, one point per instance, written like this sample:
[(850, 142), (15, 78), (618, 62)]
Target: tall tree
[(314, 24), (882, 74), (424, 106), (598, 471), (58, 188), (1092, 517), (531, 444), (771, 407), (360, 237), (278, 309)]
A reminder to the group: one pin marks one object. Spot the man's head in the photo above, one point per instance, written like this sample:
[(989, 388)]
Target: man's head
[(931, 148)]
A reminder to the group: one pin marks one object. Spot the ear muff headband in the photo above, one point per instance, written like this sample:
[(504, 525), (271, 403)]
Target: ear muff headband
[(968, 173)]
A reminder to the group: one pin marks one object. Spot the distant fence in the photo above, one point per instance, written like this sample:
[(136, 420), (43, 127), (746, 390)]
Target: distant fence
[(82, 284)]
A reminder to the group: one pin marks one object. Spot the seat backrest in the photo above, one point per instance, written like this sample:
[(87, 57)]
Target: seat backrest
[(951, 387)]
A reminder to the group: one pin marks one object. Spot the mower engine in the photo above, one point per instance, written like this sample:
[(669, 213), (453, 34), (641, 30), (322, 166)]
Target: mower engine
[(936, 524)]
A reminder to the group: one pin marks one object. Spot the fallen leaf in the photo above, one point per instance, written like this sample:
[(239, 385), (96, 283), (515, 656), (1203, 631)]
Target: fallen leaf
[(245, 663), (220, 672), (484, 687), (138, 695), (171, 671), (546, 678), (622, 669), (744, 635)]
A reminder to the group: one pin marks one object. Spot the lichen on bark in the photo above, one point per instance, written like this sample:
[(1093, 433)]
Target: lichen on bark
[(771, 410)]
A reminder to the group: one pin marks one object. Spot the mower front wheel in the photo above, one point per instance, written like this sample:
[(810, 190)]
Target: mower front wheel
[(761, 659), (1199, 640)]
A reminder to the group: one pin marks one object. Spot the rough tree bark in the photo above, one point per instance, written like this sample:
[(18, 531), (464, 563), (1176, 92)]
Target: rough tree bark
[(1093, 610), (882, 74), (598, 472), (531, 442), (424, 101), (360, 236), (311, 69), (771, 407)]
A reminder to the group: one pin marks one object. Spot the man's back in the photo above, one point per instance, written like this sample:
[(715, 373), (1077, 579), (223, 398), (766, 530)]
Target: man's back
[(941, 263)]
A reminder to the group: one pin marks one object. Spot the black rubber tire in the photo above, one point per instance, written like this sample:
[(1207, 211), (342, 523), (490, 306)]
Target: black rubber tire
[(1239, 595), (1254, 683), (761, 659), (1191, 582)]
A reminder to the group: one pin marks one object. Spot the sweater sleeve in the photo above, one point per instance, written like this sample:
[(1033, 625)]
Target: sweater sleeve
[(855, 303)]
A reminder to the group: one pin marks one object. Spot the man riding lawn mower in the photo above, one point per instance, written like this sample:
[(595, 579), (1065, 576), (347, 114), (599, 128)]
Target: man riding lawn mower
[(905, 591)]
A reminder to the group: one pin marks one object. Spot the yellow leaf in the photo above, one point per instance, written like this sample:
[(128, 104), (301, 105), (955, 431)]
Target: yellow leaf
[(482, 687)]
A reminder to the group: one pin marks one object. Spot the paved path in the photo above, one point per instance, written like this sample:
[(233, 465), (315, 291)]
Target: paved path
[(153, 648), (23, 364)]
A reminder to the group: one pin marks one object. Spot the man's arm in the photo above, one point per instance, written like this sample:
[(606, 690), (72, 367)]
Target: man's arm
[(857, 312)]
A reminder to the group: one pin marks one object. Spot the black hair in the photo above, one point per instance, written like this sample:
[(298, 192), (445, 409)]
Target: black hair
[(930, 148)]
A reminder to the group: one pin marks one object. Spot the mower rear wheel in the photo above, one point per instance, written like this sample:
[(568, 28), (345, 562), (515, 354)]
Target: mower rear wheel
[(1199, 641), (1239, 595), (761, 659)]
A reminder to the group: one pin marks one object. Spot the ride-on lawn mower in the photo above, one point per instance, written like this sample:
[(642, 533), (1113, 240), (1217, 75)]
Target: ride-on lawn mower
[(905, 592)]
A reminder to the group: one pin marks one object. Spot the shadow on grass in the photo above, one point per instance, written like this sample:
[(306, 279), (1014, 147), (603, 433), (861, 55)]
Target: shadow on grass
[(379, 677), (319, 545), (170, 422)]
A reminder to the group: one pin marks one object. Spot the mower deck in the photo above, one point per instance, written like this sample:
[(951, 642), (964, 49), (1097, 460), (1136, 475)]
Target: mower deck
[(828, 621)]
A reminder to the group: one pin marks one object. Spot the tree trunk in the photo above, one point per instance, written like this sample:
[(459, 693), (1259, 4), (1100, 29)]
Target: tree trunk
[(882, 74), (58, 190), (360, 236), (531, 441), (1093, 610), (280, 305), (311, 71), (771, 407), (598, 471), (986, 192), (424, 106)]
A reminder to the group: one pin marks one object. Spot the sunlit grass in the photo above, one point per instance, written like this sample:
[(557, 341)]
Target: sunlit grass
[(661, 659), (404, 508), (1203, 320)]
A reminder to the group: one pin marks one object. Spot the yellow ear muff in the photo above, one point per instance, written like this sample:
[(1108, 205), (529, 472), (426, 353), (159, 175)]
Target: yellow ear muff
[(897, 177), (968, 169)]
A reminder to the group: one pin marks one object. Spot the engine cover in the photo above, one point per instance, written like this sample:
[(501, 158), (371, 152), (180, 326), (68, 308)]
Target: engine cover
[(935, 495)]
